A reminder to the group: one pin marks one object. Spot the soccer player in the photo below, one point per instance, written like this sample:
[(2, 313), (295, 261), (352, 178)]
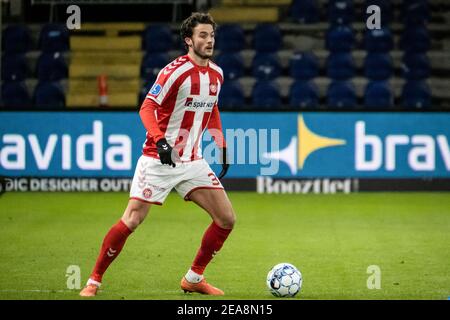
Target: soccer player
[(182, 103)]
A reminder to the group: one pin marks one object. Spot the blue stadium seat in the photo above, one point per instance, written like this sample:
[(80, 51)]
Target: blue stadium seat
[(415, 39), (378, 66), (144, 91), (378, 95), (152, 63), (16, 39), (267, 38), (415, 12), (379, 40), (304, 95), (266, 66), (340, 11), (230, 38), (415, 66), (304, 66), (14, 67), (305, 11), (385, 8), (416, 95), (49, 95), (341, 94), (265, 94), (340, 65), (231, 95), (15, 95), (232, 65), (51, 66), (157, 38), (339, 38), (54, 38)]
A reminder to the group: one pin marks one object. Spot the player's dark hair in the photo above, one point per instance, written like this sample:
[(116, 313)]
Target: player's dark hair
[(188, 25)]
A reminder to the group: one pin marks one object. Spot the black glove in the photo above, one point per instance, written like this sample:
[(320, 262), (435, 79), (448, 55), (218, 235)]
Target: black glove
[(225, 164), (165, 152)]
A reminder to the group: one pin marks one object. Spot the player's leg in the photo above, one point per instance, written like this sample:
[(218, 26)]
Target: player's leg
[(148, 187), (113, 242), (218, 206), (216, 203)]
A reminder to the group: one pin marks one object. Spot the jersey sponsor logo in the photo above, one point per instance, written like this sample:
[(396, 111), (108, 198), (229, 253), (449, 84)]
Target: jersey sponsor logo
[(147, 193), (199, 104), (156, 89), (188, 102)]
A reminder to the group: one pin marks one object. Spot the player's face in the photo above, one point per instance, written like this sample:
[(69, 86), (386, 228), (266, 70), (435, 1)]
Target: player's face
[(202, 41)]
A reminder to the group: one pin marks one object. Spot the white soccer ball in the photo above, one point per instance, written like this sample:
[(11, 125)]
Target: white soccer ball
[(284, 280)]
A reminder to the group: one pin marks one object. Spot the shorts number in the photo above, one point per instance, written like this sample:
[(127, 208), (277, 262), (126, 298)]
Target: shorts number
[(214, 180)]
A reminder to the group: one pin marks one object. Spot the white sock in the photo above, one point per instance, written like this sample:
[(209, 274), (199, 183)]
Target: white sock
[(193, 277), (90, 281)]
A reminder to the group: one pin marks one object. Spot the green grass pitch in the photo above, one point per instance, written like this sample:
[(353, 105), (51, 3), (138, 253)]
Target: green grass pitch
[(332, 239)]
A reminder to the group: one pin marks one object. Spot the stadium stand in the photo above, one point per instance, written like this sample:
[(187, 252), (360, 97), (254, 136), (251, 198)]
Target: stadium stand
[(54, 38), (231, 95), (379, 40), (304, 66), (230, 38), (378, 66), (232, 65), (416, 95), (51, 66), (416, 12), (266, 66), (415, 39), (14, 67), (340, 38), (16, 39), (378, 95), (157, 38), (15, 95), (49, 95), (340, 66), (152, 64), (305, 11), (415, 66), (266, 95), (309, 44), (114, 50), (340, 12), (304, 95), (267, 38), (341, 94)]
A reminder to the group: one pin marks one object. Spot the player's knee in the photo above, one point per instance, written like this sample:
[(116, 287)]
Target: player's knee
[(228, 220), (134, 216), (133, 221)]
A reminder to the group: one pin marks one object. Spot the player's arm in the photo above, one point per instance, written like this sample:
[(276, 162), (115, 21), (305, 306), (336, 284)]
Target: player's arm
[(215, 129), (148, 117)]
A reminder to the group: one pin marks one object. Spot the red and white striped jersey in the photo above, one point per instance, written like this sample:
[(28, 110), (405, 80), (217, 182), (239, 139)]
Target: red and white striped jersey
[(185, 95)]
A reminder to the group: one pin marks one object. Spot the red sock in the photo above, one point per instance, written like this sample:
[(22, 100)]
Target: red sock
[(212, 241), (111, 247)]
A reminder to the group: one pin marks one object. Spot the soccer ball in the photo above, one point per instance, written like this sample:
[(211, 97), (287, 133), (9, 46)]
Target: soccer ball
[(284, 280)]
